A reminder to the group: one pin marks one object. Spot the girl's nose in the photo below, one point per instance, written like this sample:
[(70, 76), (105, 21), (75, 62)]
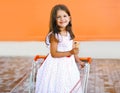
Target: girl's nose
[(62, 18)]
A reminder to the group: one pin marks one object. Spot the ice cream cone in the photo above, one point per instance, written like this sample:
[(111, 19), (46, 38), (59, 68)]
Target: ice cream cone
[(76, 44)]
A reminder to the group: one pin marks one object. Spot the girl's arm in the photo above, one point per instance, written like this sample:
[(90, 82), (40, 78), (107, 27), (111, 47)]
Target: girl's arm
[(55, 53), (76, 45), (82, 64)]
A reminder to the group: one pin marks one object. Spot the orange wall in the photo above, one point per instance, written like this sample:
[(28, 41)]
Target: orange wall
[(28, 20)]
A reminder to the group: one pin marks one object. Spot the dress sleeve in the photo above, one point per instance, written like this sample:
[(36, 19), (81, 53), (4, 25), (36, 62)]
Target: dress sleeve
[(48, 39)]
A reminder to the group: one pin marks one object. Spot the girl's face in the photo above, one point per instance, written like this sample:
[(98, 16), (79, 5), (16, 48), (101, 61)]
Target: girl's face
[(62, 19)]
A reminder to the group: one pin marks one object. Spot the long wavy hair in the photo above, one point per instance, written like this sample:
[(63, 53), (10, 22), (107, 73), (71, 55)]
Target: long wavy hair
[(53, 24)]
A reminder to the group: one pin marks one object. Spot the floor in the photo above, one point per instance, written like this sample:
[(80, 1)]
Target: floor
[(104, 74), (12, 70)]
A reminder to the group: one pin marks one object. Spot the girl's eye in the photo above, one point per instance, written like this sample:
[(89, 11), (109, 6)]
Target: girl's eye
[(65, 16), (58, 16)]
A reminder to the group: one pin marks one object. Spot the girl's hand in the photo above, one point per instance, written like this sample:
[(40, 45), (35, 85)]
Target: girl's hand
[(82, 64), (74, 51)]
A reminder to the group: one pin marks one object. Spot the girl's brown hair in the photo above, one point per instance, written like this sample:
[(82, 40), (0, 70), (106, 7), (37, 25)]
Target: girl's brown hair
[(52, 24)]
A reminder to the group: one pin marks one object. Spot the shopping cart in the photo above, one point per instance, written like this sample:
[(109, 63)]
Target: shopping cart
[(27, 84)]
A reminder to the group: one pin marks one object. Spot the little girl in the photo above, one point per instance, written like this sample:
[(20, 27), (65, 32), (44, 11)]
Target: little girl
[(59, 72)]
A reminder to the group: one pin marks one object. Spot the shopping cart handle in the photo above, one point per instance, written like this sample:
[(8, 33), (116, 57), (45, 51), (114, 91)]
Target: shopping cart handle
[(84, 59), (38, 57)]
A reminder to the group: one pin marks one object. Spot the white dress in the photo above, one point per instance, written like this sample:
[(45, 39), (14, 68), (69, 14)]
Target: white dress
[(58, 75)]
